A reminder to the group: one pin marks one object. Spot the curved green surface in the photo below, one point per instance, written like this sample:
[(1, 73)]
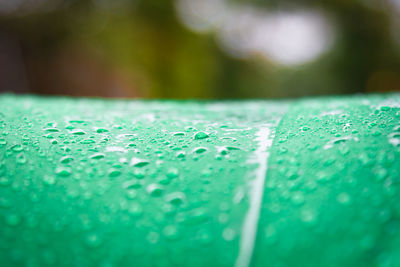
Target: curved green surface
[(91, 182)]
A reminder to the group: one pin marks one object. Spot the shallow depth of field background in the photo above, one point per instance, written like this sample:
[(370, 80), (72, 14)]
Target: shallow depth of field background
[(199, 48)]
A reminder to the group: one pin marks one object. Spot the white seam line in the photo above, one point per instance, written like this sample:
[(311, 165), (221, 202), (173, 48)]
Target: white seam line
[(265, 137)]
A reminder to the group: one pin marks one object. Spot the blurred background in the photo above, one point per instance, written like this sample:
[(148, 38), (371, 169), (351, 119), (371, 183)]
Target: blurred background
[(199, 48)]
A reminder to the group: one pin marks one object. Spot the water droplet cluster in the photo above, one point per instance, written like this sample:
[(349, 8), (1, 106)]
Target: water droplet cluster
[(86, 182), (332, 189), (90, 182)]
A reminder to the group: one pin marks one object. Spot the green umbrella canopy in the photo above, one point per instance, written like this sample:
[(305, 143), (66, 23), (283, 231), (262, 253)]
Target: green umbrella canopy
[(94, 182)]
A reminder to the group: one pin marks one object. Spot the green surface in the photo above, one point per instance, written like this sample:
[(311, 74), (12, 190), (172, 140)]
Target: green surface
[(91, 182), (332, 189)]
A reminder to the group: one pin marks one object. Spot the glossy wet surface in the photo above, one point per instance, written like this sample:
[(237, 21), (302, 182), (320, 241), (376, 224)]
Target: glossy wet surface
[(90, 182)]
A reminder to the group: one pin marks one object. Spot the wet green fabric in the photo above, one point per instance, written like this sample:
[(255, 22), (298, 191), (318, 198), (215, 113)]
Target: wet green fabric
[(93, 182), (332, 188)]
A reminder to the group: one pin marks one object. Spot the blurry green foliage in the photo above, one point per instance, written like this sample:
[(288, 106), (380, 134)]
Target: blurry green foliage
[(162, 58)]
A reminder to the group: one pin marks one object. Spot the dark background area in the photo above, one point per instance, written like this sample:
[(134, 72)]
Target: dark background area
[(199, 48)]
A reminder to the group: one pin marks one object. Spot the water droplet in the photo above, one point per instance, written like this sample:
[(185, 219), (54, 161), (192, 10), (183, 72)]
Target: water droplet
[(223, 218), (87, 141), (138, 173), (230, 148), (136, 162), (48, 136), (5, 202), (76, 121), (270, 234), (97, 156), (21, 158), (131, 193), (163, 180), (135, 209), (49, 179), (380, 174), (131, 184), (305, 128), (204, 237), (78, 132), (17, 148), (308, 216), (101, 130), (180, 155), (63, 172), (51, 130), (114, 173), (298, 198), (93, 240), (155, 190), (13, 219), (172, 173), (343, 198), (171, 232), (337, 141), (4, 181), (200, 135), (228, 234), (394, 139), (153, 237), (222, 150), (178, 134), (66, 159), (176, 198), (200, 150), (376, 133)]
